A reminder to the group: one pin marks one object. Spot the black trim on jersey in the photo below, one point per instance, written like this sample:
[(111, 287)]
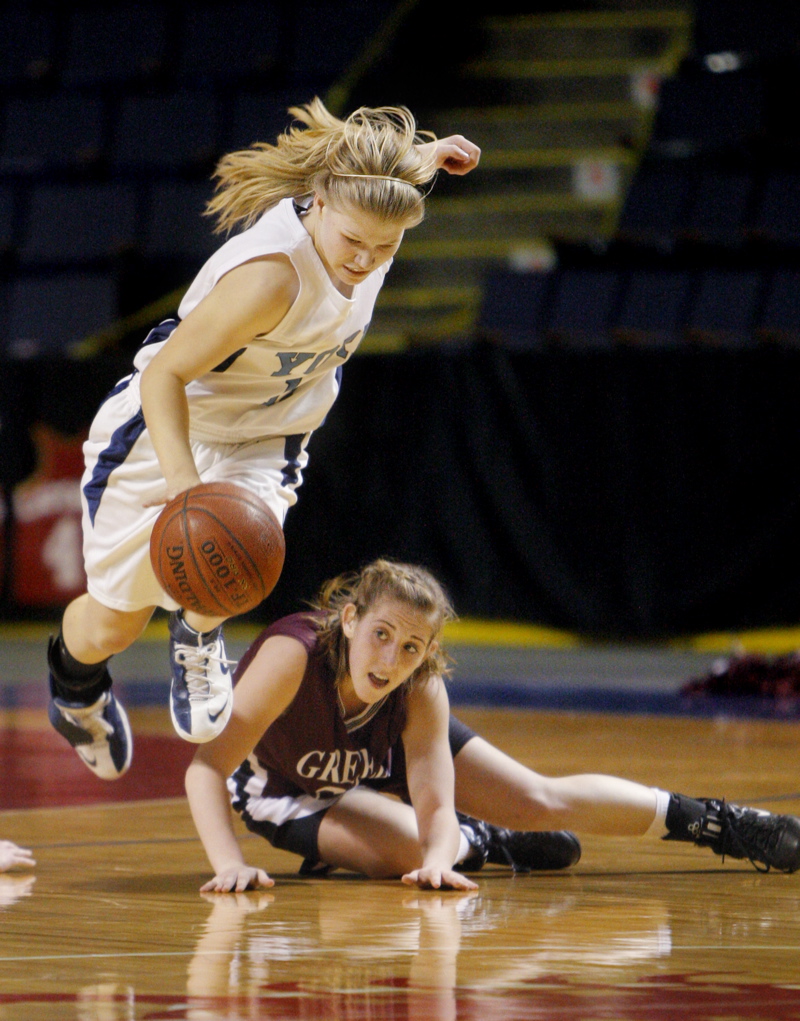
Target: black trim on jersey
[(292, 449), (160, 332), (226, 364)]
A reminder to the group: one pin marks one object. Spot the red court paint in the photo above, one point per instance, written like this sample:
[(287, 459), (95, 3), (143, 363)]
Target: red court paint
[(660, 998), (39, 769)]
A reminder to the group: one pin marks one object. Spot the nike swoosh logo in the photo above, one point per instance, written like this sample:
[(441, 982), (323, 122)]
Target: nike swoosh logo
[(90, 760), (215, 716)]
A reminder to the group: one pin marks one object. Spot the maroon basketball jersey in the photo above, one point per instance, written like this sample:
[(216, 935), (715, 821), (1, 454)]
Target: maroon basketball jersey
[(310, 748)]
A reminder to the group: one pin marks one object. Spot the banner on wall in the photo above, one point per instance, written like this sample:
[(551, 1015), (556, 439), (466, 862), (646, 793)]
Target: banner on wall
[(47, 559), (3, 540)]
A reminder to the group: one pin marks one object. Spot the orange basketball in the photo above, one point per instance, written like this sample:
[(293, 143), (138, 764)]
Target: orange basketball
[(217, 549)]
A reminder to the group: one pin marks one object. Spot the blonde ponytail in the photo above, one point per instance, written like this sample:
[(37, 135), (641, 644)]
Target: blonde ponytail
[(369, 160)]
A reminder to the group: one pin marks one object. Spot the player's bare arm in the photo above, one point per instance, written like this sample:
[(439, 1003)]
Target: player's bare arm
[(249, 300), (431, 787), (264, 691)]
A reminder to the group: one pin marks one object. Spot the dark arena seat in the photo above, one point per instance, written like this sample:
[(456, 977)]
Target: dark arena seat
[(8, 209), (705, 113), (724, 309), (718, 209), (655, 205), (653, 308), (513, 308), (77, 223), (583, 305), (230, 42), (174, 131), (174, 225), (27, 39), (777, 217), (780, 318), (58, 132), (115, 45), (49, 313)]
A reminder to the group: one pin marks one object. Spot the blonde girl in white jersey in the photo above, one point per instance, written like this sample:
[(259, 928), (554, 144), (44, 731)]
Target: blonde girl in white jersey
[(232, 389)]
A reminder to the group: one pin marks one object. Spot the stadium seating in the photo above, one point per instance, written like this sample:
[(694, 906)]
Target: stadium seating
[(62, 131), (27, 39), (174, 225), (166, 132), (112, 115), (655, 205), (653, 308), (49, 313), (231, 42), (78, 223), (724, 308), (513, 312), (583, 307), (718, 209), (114, 45), (780, 319)]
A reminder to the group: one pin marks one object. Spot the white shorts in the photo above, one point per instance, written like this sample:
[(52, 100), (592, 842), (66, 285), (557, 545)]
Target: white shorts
[(246, 786), (122, 473), (290, 822)]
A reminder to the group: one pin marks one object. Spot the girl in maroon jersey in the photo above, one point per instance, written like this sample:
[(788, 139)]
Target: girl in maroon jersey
[(337, 707)]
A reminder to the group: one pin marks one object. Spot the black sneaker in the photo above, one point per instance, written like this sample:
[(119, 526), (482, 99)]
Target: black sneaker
[(767, 841), (523, 851)]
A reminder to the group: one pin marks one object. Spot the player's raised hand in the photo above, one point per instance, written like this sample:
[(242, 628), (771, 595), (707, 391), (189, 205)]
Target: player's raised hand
[(455, 154)]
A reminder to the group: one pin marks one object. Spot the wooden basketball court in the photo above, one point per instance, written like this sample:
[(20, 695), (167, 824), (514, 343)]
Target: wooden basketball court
[(110, 926)]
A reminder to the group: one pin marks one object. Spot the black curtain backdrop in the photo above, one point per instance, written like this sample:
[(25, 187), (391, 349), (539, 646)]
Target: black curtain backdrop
[(635, 493)]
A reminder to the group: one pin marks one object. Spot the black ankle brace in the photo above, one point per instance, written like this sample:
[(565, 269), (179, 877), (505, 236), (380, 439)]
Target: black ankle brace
[(685, 817), (72, 680)]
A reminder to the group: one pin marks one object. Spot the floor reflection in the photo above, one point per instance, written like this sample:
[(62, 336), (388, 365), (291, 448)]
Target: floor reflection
[(523, 949), (110, 926), (426, 955)]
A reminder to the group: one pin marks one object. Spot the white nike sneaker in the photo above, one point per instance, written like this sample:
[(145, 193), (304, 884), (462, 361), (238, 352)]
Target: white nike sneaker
[(201, 693), (99, 733)]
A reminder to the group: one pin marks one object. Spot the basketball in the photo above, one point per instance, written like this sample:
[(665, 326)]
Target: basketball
[(217, 549)]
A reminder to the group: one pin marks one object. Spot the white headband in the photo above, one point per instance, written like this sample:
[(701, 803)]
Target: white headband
[(375, 177)]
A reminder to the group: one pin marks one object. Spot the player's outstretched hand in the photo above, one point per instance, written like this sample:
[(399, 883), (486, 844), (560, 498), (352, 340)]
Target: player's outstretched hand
[(437, 879), (455, 154), (11, 855), (237, 880)]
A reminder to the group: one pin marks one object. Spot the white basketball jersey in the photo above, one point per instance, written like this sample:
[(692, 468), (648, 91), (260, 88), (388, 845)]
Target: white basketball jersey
[(283, 382)]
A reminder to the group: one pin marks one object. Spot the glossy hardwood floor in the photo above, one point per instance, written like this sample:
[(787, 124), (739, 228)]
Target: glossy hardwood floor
[(110, 925)]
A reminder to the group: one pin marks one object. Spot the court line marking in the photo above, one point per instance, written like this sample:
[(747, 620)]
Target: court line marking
[(526, 949), (776, 797), (130, 843)]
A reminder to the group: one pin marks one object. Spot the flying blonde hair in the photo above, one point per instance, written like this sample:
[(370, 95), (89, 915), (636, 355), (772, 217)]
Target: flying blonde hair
[(409, 584), (369, 160)]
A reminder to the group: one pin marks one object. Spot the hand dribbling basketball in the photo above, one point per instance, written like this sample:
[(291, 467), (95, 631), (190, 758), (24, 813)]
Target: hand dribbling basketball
[(217, 549)]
